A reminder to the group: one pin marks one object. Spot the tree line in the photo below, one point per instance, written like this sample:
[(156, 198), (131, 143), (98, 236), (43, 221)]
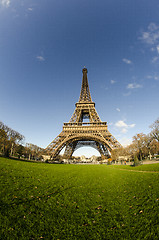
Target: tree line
[(12, 144), (143, 145)]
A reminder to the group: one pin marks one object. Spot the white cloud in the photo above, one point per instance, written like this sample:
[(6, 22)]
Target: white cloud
[(127, 94), (151, 37), (121, 124), (123, 127), (124, 130), (149, 77), (5, 3), (131, 125), (30, 9), (112, 81), (155, 77), (127, 61), (152, 27), (125, 141), (152, 49), (154, 59), (146, 37), (40, 58), (133, 85), (118, 109)]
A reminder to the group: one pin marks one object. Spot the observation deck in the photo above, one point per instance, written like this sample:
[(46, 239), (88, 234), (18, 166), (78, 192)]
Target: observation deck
[(85, 126)]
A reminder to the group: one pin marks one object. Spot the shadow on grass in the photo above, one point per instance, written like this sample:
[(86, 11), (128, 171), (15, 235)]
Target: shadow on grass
[(136, 165), (30, 161), (21, 160)]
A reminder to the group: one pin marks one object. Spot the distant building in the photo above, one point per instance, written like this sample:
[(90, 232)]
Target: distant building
[(46, 157)]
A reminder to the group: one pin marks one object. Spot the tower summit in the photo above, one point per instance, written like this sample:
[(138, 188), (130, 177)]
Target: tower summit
[(77, 133), (85, 95)]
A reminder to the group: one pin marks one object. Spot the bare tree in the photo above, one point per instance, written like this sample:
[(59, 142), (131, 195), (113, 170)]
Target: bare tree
[(33, 151), (4, 141), (139, 143), (15, 139), (155, 130), (9, 139)]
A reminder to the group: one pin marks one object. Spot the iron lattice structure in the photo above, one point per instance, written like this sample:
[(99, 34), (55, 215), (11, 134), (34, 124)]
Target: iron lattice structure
[(77, 133)]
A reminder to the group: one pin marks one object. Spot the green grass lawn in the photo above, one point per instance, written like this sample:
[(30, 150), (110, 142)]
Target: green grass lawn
[(47, 201), (147, 167)]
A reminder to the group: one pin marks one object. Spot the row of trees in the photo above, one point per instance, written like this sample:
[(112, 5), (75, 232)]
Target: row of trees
[(12, 144), (143, 146)]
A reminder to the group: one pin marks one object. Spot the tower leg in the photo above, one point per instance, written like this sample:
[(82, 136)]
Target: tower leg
[(100, 150), (103, 150), (70, 147)]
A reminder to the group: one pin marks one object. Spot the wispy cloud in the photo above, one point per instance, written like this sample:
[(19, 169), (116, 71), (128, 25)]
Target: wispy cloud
[(154, 59), (127, 94), (112, 81), (123, 127), (5, 3), (151, 36), (40, 58), (118, 109), (30, 9), (124, 130), (127, 61), (152, 27), (125, 141), (149, 77), (152, 49), (133, 86), (121, 124), (155, 77)]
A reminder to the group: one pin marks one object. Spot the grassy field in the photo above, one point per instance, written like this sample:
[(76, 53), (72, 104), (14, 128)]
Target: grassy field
[(46, 201), (147, 167)]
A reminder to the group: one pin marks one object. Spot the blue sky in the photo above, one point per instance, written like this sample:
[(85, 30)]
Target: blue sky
[(45, 44)]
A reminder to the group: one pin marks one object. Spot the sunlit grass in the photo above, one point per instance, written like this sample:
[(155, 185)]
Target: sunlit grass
[(46, 201), (146, 167)]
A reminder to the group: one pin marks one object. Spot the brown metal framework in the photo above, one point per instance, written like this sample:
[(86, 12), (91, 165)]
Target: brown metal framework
[(77, 133)]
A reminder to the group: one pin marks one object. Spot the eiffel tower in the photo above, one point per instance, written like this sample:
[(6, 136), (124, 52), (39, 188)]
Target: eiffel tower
[(77, 133)]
